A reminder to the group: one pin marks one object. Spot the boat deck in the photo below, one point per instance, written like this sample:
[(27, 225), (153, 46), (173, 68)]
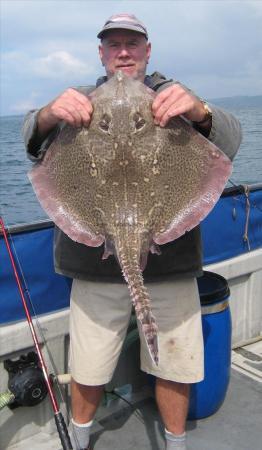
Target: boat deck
[(119, 426)]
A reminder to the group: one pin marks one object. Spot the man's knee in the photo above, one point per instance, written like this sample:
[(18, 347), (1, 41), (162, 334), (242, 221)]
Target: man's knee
[(172, 385)]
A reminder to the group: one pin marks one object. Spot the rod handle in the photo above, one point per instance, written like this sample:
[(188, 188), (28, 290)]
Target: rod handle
[(63, 432)]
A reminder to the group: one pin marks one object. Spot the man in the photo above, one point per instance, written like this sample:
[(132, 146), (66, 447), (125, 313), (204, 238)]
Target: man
[(100, 303)]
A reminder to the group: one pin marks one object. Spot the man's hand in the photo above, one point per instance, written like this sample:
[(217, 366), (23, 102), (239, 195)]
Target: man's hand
[(176, 100), (71, 106)]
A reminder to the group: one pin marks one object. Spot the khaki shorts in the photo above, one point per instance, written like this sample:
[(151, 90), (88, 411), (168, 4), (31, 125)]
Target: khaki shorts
[(100, 315)]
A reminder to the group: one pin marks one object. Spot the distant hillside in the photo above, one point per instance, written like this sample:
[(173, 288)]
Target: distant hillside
[(239, 101)]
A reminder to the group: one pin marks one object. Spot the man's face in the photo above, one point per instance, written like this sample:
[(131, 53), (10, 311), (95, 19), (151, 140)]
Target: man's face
[(127, 51)]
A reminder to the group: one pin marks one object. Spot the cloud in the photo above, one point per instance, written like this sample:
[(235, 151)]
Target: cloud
[(59, 64), (24, 105), (212, 46)]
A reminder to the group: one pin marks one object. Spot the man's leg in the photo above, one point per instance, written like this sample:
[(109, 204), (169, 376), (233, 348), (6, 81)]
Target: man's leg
[(85, 401), (172, 400), (99, 318), (176, 307)]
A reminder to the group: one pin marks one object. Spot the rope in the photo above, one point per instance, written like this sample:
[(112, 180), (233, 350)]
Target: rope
[(245, 236), (239, 200), (6, 398)]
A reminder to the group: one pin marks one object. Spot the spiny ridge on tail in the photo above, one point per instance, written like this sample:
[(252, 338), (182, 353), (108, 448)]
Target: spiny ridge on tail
[(129, 260)]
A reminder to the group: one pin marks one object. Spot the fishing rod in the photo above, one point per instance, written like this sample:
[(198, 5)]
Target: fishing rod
[(59, 419)]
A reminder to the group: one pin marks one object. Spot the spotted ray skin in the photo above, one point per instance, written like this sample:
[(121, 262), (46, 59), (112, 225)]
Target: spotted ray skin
[(129, 183)]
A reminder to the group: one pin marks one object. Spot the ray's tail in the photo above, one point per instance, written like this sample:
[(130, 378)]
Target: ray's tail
[(129, 260)]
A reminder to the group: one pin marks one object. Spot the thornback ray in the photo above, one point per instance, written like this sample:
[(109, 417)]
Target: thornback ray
[(130, 184)]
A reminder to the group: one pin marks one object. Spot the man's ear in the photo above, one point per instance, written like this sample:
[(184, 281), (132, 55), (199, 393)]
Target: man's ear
[(148, 51), (101, 54)]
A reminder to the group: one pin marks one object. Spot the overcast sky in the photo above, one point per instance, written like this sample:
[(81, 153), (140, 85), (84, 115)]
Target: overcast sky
[(212, 46)]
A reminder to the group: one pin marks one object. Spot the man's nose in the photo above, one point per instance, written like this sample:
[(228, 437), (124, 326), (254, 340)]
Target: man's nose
[(123, 52)]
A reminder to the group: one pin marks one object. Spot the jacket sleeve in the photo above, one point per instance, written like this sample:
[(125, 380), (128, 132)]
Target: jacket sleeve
[(226, 131), (36, 147)]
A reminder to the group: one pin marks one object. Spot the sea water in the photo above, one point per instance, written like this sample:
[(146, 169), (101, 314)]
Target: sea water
[(18, 203)]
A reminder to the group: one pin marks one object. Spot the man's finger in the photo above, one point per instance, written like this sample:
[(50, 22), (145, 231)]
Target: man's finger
[(165, 94), (84, 100), (73, 95), (73, 112), (75, 109), (176, 110), (66, 116), (163, 108), (85, 113)]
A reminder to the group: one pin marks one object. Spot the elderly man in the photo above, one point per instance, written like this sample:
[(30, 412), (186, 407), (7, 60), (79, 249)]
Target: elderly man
[(100, 304)]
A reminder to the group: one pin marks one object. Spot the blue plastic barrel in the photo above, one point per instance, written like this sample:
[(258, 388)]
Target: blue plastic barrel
[(207, 396)]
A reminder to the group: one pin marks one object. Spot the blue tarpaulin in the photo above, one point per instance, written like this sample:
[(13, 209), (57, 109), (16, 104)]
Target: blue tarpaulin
[(224, 228), (222, 233), (48, 291)]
